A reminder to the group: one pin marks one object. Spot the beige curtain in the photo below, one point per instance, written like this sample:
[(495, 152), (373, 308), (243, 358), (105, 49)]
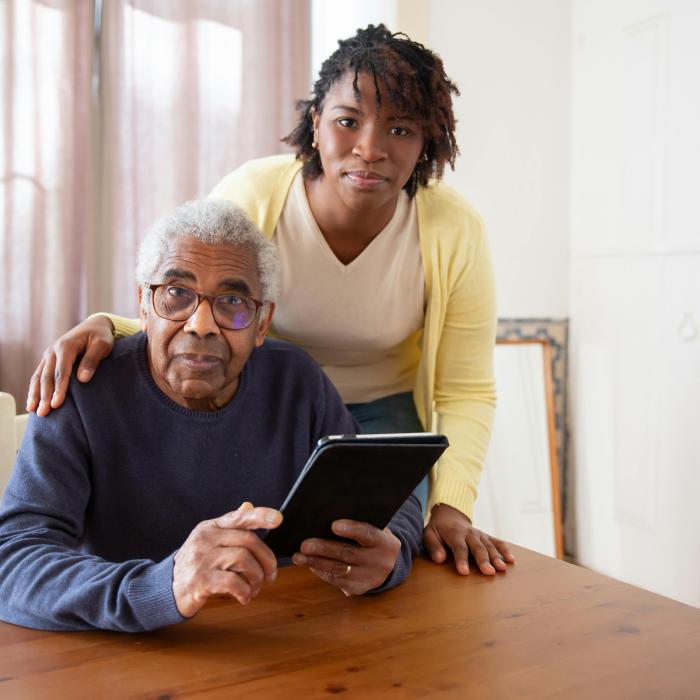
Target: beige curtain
[(98, 141), (45, 157)]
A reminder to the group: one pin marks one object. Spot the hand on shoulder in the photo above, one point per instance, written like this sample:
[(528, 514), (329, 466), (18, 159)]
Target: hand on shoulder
[(93, 338)]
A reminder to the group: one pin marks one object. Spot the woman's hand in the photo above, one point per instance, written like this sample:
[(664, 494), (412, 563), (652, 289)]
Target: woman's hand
[(354, 568), (449, 527), (49, 383)]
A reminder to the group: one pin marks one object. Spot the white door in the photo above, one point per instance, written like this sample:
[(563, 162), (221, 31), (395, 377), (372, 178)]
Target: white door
[(635, 291)]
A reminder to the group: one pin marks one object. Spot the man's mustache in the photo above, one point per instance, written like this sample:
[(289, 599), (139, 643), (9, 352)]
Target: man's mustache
[(201, 349)]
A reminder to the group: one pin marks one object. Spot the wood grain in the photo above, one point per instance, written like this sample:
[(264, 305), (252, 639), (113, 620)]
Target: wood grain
[(544, 629)]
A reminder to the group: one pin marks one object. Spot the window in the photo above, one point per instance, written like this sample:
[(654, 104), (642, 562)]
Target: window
[(115, 112)]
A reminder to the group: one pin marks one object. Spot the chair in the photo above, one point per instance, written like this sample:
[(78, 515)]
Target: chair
[(11, 431)]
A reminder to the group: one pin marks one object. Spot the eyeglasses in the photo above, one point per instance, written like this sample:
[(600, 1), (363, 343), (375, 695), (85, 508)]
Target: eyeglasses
[(176, 303)]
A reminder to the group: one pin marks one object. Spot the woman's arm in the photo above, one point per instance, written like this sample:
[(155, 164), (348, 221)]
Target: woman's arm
[(93, 338), (465, 391), (465, 400)]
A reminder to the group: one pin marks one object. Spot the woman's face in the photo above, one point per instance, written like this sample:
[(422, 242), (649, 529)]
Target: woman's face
[(368, 154)]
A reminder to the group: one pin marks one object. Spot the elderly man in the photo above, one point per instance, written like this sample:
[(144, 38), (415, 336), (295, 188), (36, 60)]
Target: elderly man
[(118, 514)]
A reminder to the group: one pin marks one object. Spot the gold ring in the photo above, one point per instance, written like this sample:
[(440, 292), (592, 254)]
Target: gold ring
[(348, 570)]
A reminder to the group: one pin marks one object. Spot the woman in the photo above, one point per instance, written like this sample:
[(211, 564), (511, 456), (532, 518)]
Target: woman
[(386, 274)]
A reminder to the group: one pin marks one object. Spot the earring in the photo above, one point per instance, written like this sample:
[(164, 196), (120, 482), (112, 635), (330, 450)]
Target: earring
[(314, 144)]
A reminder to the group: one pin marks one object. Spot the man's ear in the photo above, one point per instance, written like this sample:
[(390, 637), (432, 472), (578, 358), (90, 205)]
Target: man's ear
[(264, 323), (142, 314)]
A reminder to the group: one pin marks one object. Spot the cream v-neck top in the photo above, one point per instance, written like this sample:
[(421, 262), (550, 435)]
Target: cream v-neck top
[(362, 321)]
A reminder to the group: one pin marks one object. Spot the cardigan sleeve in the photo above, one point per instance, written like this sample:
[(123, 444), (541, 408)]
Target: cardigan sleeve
[(464, 394), (123, 327)]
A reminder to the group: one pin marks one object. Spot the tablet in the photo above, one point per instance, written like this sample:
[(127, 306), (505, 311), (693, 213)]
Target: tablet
[(360, 477)]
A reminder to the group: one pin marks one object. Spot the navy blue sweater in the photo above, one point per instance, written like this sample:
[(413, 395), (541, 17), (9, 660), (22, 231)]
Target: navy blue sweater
[(107, 488)]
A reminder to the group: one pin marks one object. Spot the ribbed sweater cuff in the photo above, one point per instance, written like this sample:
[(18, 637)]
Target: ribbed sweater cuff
[(123, 327), (453, 492), (151, 596), (401, 570)]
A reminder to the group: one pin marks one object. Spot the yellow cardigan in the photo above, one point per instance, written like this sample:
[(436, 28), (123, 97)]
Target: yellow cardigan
[(455, 391)]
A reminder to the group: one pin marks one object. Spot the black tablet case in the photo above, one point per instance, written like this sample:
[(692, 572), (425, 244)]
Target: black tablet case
[(365, 478)]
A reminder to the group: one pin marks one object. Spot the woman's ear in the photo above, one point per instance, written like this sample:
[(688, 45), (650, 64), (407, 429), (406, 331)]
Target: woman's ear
[(315, 119)]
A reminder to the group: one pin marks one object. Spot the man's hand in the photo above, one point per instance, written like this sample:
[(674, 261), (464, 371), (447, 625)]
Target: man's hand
[(354, 568), (449, 527), (49, 383), (223, 557)]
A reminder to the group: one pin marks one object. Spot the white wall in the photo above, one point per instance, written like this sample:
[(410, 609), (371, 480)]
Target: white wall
[(510, 60), (332, 20)]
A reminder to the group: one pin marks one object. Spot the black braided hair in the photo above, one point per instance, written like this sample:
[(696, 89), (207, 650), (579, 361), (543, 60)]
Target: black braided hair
[(415, 81)]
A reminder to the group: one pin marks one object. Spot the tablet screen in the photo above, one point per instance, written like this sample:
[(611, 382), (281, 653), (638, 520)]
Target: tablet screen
[(360, 477)]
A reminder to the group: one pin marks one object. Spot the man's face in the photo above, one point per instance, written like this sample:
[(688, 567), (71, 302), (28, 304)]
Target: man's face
[(195, 362)]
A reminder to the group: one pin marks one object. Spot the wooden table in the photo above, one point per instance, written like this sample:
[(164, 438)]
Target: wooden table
[(544, 629)]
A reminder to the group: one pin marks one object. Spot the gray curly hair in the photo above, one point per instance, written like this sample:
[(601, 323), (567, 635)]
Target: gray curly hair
[(211, 221)]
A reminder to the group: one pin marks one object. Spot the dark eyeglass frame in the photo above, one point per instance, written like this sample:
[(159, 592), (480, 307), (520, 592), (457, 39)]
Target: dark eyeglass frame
[(211, 298)]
